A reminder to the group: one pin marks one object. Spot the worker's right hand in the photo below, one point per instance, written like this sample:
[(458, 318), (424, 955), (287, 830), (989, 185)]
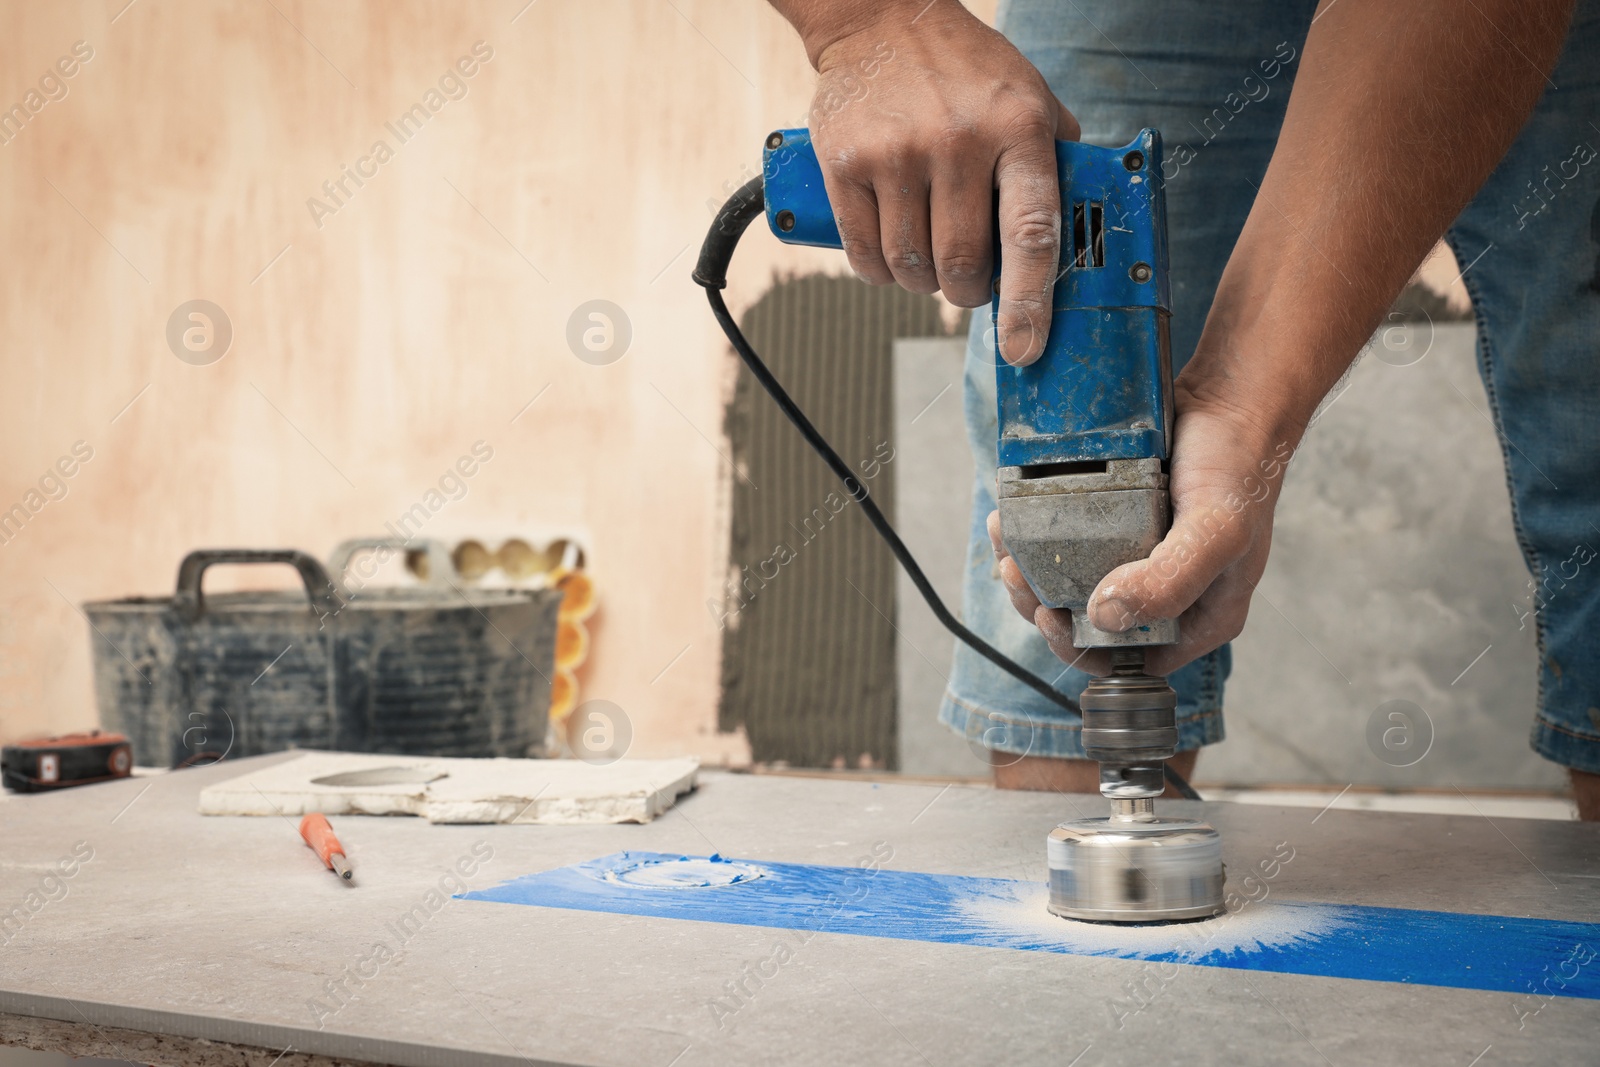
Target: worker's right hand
[(921, 113)]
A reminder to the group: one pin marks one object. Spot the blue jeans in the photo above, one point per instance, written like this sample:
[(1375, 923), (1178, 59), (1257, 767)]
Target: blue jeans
[(1215, 79)]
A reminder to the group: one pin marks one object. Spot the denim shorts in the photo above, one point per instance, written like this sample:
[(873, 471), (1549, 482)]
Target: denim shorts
[(1215, 79)]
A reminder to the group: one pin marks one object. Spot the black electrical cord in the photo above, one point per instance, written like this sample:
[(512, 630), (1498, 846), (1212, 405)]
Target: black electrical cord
[(711, 272)]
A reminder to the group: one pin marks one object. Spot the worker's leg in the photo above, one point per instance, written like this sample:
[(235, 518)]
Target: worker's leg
[(1586, 790), (1530, 241), (1214, 79)]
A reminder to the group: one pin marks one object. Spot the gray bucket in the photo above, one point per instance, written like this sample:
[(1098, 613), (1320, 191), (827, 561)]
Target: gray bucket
[(434, 670)]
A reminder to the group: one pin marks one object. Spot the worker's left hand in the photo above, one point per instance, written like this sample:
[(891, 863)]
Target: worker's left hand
[(1226, 473)]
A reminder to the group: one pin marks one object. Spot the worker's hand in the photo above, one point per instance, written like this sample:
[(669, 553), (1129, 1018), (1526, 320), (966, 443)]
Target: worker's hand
[(921, 113), (1226, 474)]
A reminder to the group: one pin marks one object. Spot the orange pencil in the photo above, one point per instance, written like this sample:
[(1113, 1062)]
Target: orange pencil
[(319, 835)]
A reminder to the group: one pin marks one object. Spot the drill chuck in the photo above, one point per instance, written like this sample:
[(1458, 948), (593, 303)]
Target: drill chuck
[(1129, 718), (1129, 727)]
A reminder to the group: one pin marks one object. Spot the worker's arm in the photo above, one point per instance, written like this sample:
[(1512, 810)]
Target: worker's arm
[(921, 114), (1398, 114)]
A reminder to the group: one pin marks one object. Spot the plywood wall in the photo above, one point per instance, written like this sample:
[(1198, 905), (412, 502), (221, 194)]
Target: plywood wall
[(379, 336)]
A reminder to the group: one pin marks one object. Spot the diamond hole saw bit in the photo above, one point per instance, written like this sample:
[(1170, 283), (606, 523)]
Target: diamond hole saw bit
[(1133, 866), (1085, 436)]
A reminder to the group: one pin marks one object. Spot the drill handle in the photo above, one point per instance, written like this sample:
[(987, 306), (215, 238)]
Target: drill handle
[(798, 211), (1113, 215)]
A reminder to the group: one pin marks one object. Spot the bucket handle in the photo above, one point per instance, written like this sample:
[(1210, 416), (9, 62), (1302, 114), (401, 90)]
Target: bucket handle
[(188, 602), (440, 566)]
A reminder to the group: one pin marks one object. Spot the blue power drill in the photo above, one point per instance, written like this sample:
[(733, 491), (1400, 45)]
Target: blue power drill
[(1085, 436), (1086, 430)]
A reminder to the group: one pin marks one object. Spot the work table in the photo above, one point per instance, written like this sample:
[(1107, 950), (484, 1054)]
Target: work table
[(183, 939)]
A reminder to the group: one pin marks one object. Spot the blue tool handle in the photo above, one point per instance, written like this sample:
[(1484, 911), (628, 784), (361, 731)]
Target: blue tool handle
[(798, 211), (1102, 388), (1112, 215)]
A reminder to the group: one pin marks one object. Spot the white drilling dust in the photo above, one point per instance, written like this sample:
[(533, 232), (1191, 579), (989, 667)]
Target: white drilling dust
[(1256, 926)]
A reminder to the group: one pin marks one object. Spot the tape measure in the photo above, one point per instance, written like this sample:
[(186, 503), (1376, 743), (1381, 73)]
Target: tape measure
[(59, 762)]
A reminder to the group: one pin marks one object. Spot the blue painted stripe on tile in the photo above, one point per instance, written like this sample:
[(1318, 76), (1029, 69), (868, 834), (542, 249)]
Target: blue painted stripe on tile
[(1537, 958)]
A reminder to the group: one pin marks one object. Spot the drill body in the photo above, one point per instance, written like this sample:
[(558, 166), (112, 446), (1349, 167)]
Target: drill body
[(1085, 431)]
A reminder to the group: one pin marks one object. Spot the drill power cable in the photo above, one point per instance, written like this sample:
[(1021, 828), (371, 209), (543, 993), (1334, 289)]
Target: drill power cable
[(711, 273)]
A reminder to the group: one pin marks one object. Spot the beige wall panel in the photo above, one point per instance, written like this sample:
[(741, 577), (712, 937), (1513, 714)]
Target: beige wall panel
[(372, 350)]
